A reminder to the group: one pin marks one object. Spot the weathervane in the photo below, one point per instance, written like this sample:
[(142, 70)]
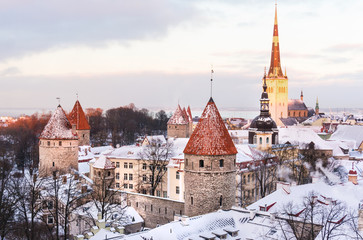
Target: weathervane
[(58, 98), (211, 81)]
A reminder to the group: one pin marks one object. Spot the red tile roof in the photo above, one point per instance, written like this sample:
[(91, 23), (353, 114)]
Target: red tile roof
[(78, 117), (190, 118), (58, 127), (210, 136), (178, 117)]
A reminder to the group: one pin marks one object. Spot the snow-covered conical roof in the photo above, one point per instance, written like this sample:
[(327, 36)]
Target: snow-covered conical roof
[(103, 163), (58, 127), (210, 136), (178, 117)]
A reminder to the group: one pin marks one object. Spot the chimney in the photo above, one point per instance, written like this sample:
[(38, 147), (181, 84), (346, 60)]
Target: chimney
[(64, 179), (353, 176), (252, 214)]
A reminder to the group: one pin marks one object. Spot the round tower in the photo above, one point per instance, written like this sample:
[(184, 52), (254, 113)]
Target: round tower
[(103, 174), (178, 124), (263, 131), (210, 158), (58, 145)]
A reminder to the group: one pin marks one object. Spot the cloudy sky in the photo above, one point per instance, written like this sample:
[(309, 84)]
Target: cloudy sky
[(156, 53)]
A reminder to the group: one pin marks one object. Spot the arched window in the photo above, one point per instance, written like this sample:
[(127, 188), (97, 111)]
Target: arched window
[(260, 140), (255, 139), (221, 163), (191, 200), (201, 163), (220, 201), (267, 140)]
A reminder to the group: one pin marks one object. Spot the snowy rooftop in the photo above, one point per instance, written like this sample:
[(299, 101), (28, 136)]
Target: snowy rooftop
[(211, 224), (58, 127), (103, 162), (86, 153), (302, 136), (178, 117), (349, 132)]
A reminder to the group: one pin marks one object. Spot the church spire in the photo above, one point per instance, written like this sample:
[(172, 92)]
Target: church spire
[(275, 65), (264, 101)]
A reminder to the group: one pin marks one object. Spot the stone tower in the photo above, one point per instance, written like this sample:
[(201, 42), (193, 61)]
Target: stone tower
[(79, 122), (263, 131), (178, 124), (210, 158), (58, 145), (277, 82), (102, 174)]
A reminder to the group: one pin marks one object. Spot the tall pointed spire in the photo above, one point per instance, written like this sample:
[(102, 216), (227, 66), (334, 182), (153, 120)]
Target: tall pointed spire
[(275, 65)]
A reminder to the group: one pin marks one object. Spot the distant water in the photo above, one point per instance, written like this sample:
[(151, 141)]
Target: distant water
[(17, 112), (247, 114)]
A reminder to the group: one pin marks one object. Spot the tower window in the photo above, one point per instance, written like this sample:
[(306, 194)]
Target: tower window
[(177, 190), (108, 173), (191, 200), (221, 163), (177, 175), (255, 139), (267, 140), (48, 143), (260, 140), (60, 143), (53, 164), (220, 201), (201, 163)]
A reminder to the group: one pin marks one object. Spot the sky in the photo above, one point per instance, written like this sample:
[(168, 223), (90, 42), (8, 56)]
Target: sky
[(158, 53)]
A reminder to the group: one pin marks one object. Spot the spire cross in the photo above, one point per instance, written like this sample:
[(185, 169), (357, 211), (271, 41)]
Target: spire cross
[(211, 81)]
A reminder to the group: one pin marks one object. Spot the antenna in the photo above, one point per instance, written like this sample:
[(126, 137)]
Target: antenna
[(77, 95), (58, 98), (211, 81)]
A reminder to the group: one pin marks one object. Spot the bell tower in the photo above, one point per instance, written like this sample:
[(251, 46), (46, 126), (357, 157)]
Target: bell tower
[(277, 82)]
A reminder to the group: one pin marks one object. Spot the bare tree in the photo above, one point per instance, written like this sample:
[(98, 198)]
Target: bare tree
[(156, 156)]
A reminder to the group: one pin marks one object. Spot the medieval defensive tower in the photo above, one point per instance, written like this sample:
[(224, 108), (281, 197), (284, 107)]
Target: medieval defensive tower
[(58, 145), (180, 125), (79, 122), (210, 158)]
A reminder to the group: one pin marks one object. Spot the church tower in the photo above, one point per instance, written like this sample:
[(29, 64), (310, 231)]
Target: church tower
[(277, 82), (263, 131), (58, 145), (317, 107), (210, 158), (79, 122)]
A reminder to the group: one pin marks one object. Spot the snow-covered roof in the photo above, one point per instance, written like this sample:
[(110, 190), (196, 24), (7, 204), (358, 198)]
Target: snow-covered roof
[(302, 136), (178, 117), (86, 153), (156, 139), (103, 162), (296, 104), (348, 132), (210, 137), (235, 220), (105, 234), (58, 127)]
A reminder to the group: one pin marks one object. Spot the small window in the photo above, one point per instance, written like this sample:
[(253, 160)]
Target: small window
[(166, 210), (125, 165), (221, 163), (117, 185), (99, 173), (117, 176), (177, 190), (125, 176), (108, 173), (48, 143), (191, 200), (177, 175), (144, 178), (248, 178), (117, 164), (244, 179), (158, 193), (186, 162), (50, 219), (267, 140), (130, 176), (143, 191), (260, 140), (125, 185), (131, 186), (130, 165), (220, 201), (53, 164), (165, 194), (60, 143), (201, 163), (50, 204), (255, 139), (144, 166)]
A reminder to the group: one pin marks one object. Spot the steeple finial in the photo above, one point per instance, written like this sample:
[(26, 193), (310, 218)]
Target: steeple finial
[(211, 81), (301, 96), (58, 98)]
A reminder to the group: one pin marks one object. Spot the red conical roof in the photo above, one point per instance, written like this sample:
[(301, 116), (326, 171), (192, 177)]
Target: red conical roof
[(210, 136), (58, 127), (190, 118), (78, 117), (178, 117)]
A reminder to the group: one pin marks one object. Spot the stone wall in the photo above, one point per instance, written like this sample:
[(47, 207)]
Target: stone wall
[(57, 155), (154, 210), (83, 137), (178, 130), (210, 187)]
